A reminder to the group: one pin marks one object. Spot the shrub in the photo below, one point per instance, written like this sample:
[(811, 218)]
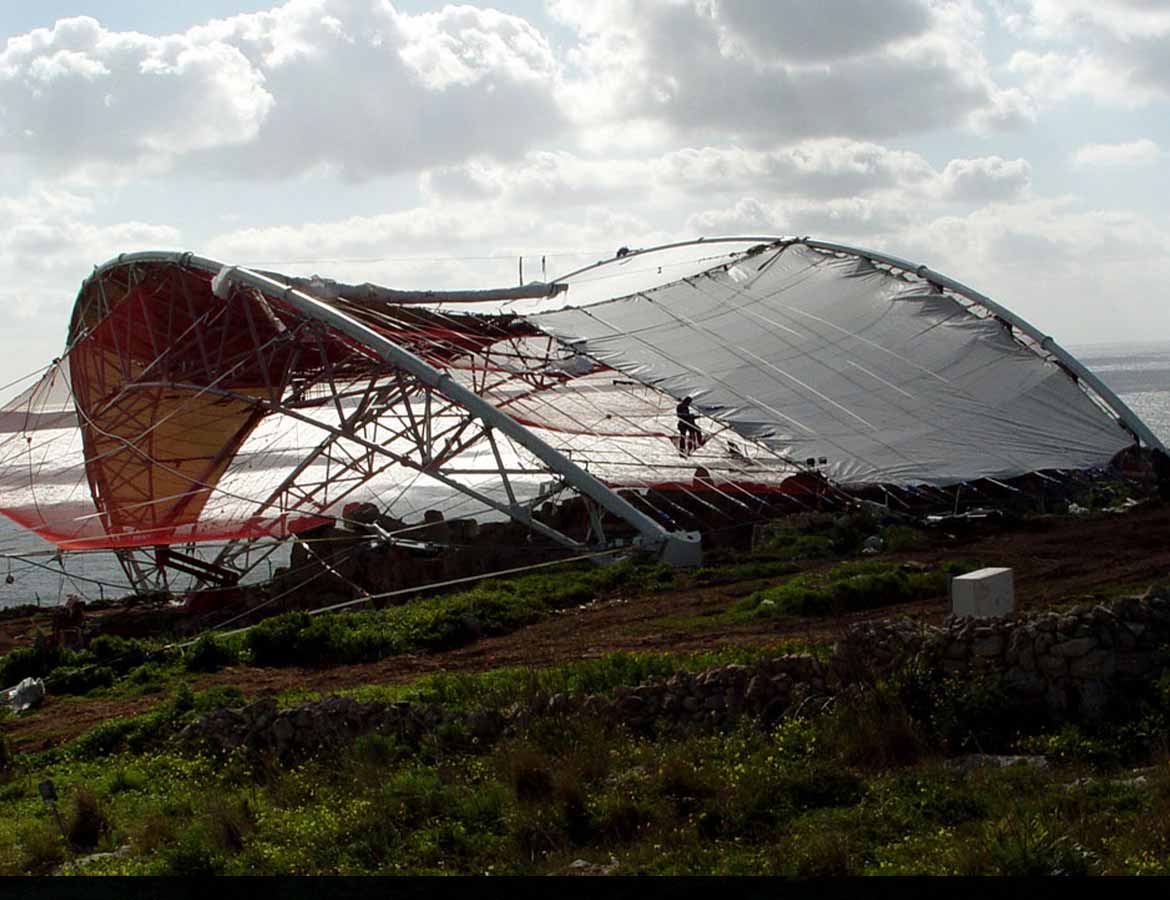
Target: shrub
[(153, 728), (901, 539), (36, 661), (81, 680), (209, 655), (148, 678), (438, 623), (86, 824), (274, 641), (849, 587), (7, 760), (103, 739), (120, 654), (223, 696)]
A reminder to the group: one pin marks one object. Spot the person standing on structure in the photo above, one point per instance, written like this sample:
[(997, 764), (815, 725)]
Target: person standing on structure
[(689, 436)]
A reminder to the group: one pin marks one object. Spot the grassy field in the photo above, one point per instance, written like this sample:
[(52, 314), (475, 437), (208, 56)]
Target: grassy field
[(865, 787), (876, 782)]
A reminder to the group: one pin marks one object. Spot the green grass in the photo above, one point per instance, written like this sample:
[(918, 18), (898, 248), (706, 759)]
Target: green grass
[(848, 587), (441, 623), (501, 688), (856, 788)]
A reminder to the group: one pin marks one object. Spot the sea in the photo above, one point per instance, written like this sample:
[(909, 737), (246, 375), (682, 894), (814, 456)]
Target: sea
[(1139, 373)]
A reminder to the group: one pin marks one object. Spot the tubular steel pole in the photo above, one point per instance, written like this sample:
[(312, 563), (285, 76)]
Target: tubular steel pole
[(676, 548)]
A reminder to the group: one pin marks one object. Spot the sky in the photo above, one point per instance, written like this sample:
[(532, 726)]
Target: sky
[(1019, 146)]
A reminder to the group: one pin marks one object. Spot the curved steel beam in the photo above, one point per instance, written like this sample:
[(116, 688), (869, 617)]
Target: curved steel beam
[(675, 548)]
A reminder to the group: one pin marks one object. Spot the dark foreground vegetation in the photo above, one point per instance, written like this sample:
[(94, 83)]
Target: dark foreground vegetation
[(906, 774), (883, 783)]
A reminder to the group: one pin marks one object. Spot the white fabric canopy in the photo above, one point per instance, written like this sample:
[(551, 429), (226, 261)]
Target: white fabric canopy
[(820, 355)]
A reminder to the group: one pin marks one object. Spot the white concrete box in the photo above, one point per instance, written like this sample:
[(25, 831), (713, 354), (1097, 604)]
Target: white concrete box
[(984, 594)]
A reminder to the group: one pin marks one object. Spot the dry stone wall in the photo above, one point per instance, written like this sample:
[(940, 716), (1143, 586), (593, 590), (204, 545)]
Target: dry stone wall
[(1069, 665)]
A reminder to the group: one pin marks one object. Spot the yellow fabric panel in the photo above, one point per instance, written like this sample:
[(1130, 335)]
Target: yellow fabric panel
[(158, 451)]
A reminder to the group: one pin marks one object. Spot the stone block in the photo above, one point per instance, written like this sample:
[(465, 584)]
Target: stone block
[(1074, 647), (1025, 682), (984, 594), (1098, 664), (989, 646), (1134, 664)]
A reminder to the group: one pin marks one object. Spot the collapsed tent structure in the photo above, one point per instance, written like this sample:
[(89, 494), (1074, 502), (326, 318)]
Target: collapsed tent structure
[(201, 411)]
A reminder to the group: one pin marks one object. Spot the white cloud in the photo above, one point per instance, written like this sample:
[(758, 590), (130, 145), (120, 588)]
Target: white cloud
[(349, 84), (839, 218), (1134, 153), (700, 70), (1084, 275), (986, 180), (1010, 109), (1115, 52), (832, 169), (49, 242), (1055, 19), (78, 94), (1056, 77), (804, 32), (455, 245)]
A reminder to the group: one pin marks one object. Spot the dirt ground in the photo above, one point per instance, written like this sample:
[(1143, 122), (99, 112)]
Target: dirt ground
[(1055, 560)]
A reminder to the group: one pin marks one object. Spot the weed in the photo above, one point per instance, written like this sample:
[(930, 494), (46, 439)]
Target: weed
[(902, 539), (377, 751), (86, 823), (193, 855), (1027, 846), (152, 832), (618, 817), (41, 848), (230, 820), (538, 830), (530, 775), (824, 853), (683, 783), (873, 729), (124, 781)]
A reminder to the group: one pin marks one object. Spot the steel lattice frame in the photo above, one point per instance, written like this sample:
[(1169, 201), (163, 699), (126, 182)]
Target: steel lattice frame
[(396, 410)]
